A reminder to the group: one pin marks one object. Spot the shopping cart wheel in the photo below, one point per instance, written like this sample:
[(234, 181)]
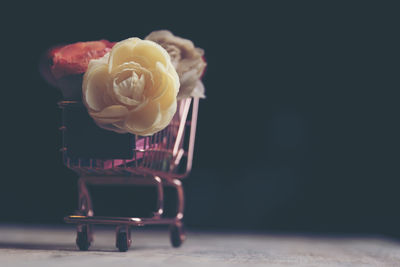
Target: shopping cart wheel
[(177, 234), (82, 238), (123, 240)]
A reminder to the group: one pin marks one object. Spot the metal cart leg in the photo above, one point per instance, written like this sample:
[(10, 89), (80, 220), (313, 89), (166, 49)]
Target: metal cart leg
[(160, 198), (177, 231)]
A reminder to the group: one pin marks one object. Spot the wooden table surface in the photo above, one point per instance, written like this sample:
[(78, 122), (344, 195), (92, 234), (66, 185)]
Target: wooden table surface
[(27, 245)]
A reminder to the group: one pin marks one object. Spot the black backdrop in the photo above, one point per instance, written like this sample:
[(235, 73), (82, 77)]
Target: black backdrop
[(297, 132)]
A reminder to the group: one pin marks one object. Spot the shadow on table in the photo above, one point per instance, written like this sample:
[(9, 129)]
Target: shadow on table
[(35, 246), (52, 247), (70, 248)]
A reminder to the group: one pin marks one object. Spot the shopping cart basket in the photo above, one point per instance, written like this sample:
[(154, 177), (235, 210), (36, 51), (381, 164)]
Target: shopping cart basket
[(159, 160)]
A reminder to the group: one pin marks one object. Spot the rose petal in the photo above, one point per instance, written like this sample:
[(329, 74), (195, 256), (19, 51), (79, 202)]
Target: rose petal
[(167, 116), (119, 94), (122, 52), (188, 82), (159, 36), (124, 72), (163, 79), (166, 37), (175, 77), (168, 96), (108, 97), (146, 53), (153, 52), (95, 84), (118, 127), (199, 90), (110, 114), (99, 61), (160, 79), (165, 120), (140, 120)]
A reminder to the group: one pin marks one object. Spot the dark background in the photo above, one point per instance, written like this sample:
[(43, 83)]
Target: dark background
[(298, 131)]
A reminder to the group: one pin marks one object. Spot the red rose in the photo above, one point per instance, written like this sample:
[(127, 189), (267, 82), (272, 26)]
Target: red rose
[(74, 58), (63, 66)]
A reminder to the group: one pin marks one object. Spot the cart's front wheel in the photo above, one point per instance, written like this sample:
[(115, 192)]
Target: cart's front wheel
[(123, 240), (177, 234), (82, 238)]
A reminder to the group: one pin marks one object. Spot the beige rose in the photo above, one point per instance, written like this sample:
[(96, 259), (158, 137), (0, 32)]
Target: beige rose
[(132, 89), (186, 58)]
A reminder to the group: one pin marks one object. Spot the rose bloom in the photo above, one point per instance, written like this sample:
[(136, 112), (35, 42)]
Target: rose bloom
[(75, 58), (64, 66), (132, 89), (186, 58)]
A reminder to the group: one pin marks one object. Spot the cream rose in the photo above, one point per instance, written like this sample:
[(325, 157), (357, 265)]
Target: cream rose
[(187, 60), (132, 89)]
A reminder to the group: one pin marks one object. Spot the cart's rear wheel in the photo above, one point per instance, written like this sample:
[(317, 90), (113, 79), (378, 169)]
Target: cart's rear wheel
[(177, 234), (82, 238), (123, 240)]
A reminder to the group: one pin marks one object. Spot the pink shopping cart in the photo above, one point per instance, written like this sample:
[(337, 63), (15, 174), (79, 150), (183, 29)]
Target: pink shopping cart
[(159, 160)]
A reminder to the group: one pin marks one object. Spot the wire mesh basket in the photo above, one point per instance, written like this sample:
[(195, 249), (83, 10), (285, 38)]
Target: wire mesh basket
[(103, 157)]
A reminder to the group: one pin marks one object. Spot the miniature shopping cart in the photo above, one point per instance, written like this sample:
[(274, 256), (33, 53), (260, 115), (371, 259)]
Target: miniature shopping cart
[(102, 157)]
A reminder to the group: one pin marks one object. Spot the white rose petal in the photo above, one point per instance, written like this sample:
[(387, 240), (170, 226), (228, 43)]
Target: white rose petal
[(144, 118), (199, 90), (110, 114), (96, 86)]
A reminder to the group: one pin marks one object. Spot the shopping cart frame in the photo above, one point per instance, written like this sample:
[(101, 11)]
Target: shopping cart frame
[(140, 172)]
